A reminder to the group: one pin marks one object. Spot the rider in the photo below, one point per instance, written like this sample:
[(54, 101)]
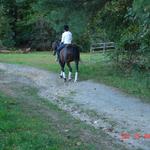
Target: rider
[(65, 39)]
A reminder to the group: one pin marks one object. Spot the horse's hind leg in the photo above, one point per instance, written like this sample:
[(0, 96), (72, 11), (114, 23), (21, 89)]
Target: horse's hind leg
[(77, 69), (63, 71), (70, 71)]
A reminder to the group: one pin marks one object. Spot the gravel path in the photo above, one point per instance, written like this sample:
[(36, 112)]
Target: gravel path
[(101, 106)]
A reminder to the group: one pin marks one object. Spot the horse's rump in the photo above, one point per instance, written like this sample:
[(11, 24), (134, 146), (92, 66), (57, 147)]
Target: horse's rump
[(70, 53)]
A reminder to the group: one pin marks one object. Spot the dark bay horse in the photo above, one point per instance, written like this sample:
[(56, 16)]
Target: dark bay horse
[(68, 54)]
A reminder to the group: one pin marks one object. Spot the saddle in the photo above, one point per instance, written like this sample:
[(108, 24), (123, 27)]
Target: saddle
[(68, 45)]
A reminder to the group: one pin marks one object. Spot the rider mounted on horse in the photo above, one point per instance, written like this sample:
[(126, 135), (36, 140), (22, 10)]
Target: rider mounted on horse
[(67, 53)]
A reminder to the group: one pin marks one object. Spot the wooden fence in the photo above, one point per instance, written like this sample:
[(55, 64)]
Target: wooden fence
[(102, 47)]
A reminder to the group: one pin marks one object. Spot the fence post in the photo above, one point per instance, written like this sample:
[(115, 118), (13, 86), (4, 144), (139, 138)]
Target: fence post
[(90, 54), (104, 47)]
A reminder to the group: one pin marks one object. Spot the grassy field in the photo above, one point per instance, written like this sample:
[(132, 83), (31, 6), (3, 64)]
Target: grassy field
[(98, 68)]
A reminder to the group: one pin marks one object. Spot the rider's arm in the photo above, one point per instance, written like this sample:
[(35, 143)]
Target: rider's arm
[(62, 38), (71, 36)]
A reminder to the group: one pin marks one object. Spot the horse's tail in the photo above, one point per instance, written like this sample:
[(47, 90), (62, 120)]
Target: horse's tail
[(76, 53)]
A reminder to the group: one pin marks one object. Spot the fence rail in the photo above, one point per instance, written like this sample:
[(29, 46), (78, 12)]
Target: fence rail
[(102, 46)]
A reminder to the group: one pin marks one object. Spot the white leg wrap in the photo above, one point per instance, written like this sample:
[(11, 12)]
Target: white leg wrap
[(56, 59), (76, 77), (69, 75), (64, 76), (61, 73)]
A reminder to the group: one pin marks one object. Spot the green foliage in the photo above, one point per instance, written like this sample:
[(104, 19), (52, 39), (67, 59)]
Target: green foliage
[(126, 22), (42, 35), (109, 21), (135, 38), (26, 16), (6, 33)]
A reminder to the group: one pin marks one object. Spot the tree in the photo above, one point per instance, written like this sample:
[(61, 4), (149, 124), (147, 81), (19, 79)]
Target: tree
[(6, 32)]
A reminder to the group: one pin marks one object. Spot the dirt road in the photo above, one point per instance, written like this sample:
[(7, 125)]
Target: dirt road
[(103, 107)]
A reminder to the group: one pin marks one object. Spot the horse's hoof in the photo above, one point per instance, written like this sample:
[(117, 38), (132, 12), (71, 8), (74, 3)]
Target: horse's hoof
[(61, 76), (69, 80), (75, 81), (65, 79)]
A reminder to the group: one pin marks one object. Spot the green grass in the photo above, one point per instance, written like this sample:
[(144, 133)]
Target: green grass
[(19, 130), (97, 68)]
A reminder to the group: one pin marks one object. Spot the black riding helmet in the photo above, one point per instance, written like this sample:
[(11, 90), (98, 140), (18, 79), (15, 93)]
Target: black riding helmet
[(66, 27)]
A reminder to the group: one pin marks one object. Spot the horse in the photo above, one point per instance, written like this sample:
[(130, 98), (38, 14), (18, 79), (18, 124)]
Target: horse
[(68, 54)]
